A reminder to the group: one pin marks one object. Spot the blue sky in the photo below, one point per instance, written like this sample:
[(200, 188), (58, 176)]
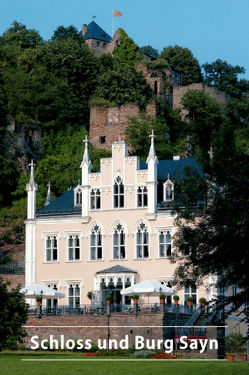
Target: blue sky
[(211, 29)]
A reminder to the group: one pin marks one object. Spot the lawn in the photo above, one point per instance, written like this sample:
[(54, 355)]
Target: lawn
[(12, 364)]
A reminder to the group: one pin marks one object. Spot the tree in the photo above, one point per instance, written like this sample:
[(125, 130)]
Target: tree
[(19, 35), (204, 120), (214, 231), (182, 60), (127, 51), (149, 50), (13, 315), (225, 77), (121, 84), (66, 33), (137, 135)]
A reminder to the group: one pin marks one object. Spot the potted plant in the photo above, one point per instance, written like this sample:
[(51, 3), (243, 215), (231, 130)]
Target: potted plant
[(162, 298), (190, 301), (203, 301), (38, 300), (244, 356), (108, 299), (234, 343), (176, 299), (135, 298)]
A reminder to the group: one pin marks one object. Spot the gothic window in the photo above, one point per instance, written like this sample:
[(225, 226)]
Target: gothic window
[(51, 303), (95, 199), (142, 241), (168, 190), (119, 242), (51, 249), (73, 247), (142, 196), (164, 244), (155, 88), (74, 295), (118, 193), (78, 197), (96, 243)]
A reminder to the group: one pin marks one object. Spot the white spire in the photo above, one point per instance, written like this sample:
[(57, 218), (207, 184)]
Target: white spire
[(152, 153), (86, 158), (31, 189), (48, 199), (31, 179)]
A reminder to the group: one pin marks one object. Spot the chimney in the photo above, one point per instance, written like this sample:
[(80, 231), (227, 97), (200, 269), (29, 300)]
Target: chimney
[(84, 29)]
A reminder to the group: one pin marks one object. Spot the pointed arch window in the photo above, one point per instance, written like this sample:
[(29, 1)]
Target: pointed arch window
[(164, 244), (95, 199), (168, 190), (78, 196), (142, 239), (118, 193), (142, 196), (118, 242), (96, 243)]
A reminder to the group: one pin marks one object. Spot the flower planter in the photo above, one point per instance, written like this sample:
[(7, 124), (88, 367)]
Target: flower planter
[(108, 302), (176, 301), (38, 303), (230, 357), (244, 357), (190, 304), (135, 301), (162, 300)]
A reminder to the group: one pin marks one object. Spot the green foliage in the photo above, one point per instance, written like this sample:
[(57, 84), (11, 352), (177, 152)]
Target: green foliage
[(162, 296), (127, 51), (204, 119), (137, 136), (182, 60), (135, 296), (90, 295), (108, 298), (121, 84), (8, 179), (159, 64), (225, 77), (149, 50), (203, 300), (235, 342), (13, 315), (176, 297), (101, 102), (19, 35), (66, 33)]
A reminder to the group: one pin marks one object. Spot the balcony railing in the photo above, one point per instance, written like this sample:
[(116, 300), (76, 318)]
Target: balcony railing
[(12, 268), (97, 310)]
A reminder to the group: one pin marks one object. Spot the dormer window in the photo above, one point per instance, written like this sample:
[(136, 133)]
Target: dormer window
[(78, 196), (168, 190)]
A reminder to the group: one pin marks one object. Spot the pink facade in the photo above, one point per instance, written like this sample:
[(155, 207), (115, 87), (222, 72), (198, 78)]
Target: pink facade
[(106, 233)]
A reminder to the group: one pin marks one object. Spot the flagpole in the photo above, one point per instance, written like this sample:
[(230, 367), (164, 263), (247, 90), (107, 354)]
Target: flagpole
[(112, 23)]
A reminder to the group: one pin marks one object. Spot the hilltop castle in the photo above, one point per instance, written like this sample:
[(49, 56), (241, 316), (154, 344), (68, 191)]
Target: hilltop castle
[(107, 122)]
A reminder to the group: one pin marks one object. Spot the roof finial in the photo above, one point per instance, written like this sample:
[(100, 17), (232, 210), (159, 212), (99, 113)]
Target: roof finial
[(168, 176), (86, 155), (152, 152), (48, 199), (32, 165), (93, 17)]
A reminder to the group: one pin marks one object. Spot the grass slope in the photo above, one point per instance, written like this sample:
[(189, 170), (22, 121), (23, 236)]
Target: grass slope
[(12, 364)]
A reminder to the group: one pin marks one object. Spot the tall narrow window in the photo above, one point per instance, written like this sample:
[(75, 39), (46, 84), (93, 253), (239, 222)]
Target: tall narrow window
[(168, 190), (119, 242), (73, 247), (118, 193), (164, 244), (96, 243), (142, 196), (51, 249), (142, 241), (190, 291), (52, 303), (95, 199), (78, 197), (74, 295)]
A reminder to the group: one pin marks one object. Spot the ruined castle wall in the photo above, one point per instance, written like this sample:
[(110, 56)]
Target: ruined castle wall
[(107, 123)]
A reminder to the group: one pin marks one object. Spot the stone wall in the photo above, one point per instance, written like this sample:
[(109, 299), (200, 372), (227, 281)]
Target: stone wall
[(107, 123), (95, 327), (178, 93), (15, 279)]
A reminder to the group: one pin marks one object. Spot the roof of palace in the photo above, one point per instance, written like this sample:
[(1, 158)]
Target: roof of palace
[(94, 31), (64, 205), (117, 269)]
